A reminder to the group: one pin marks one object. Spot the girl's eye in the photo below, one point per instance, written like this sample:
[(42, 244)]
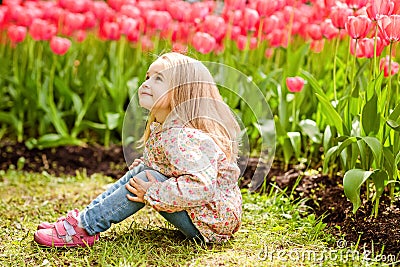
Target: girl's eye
[(147, 77), (158, 78)]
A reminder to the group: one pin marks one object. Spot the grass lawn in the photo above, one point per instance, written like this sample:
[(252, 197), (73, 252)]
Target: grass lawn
[(276, 231)]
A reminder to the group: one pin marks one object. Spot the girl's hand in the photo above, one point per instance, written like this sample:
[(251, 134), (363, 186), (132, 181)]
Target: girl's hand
[(139, 187), (135, 163)]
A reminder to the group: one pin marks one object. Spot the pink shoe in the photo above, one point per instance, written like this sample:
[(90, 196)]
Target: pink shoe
[(47, 225), (65, 233)]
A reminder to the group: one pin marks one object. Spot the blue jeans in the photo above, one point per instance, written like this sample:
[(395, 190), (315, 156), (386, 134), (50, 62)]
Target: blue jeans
[(112, 206)]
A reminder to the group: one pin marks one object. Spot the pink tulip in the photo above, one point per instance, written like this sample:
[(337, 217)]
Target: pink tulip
[(128, 25), (317, 45), (180, 48), (356, 4), (179, 10), (358, 27), (269, 52), (198, 12), (339, 15), (59, 45), (266, 8), (130, 11), (365, 47), (270, 23), (110, 31), (203, 42), (328, 30), (242, 41), (235, 4), (16, 33), (390, 27), (314, 31), (295, 84), (250, 19), (116, 4), (80, 35), (215, 26), (377, 8), (42, 30), (384, 65), (158, 20), (74, 21), (76, 6)]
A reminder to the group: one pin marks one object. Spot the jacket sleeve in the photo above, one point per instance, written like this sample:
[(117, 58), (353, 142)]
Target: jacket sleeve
[(194, 155)]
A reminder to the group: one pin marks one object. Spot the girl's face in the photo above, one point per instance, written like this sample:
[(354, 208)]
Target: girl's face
[(153, 93)]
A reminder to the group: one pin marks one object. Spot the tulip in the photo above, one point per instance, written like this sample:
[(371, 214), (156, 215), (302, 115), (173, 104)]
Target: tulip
[(235, 4), (203, 42), (314, 31), (16, 33), (266, 8), (270, 24), (242, 41), (384, 65), (390, 27), (365, 47), (42, 30), (250, 19), (116, 4), (158, 20), (317, 45), (339, 15), (377, 8), (180, 48), (295, 84), (358, 27), (110, 31), (59, 45), (215, 26), (328, 30), (199, 12), (356, 4)]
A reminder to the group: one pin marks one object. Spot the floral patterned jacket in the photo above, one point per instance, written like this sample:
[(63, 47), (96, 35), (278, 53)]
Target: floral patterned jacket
[(202, 181)]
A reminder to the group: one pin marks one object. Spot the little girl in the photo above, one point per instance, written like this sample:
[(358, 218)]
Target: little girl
[(188, 172)]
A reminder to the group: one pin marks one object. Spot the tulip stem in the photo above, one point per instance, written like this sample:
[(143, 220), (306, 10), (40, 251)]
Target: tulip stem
[(375, 48), (334, 67), (294, 119), (389, 88)]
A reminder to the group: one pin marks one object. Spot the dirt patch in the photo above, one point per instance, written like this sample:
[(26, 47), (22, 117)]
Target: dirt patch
[(325, 193)]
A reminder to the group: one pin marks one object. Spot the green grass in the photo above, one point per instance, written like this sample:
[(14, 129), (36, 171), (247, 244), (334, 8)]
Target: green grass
[(275, 230)]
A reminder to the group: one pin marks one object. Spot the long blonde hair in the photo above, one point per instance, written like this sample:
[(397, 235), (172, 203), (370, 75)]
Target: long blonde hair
[(196, 100)]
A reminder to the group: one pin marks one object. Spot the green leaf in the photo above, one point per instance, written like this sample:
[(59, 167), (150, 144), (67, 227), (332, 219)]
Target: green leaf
[(379, 177), (310, 128), (376, 148), (112, 120), (352, 182), (370, 116), (394, 125), (295, 140), (332, 117)]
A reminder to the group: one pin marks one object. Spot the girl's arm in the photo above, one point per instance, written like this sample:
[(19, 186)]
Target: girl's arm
[(196, 156)]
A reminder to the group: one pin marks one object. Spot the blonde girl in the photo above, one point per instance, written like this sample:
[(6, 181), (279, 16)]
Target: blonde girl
[(188, 172)]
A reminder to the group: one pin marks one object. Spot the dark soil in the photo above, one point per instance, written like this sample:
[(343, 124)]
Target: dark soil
[(325, 193)]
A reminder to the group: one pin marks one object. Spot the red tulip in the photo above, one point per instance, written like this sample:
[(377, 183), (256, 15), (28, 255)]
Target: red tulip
[(59, 45), (358, 27), (42, 30), (377, 8), (295, 84), (16, 33), (203, 42), (339, 15), (116, 4), (384, 65), (390, 27)]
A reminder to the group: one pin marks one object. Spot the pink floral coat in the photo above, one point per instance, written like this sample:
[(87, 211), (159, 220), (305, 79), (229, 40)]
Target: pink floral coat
[(202, 181)]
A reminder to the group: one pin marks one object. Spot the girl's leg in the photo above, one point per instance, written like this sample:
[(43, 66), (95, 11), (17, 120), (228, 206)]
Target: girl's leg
[(114, 206), (182, 221), (121, 182)]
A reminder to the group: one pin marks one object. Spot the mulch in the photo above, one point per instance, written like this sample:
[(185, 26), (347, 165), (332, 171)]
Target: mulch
[(324, 193)]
